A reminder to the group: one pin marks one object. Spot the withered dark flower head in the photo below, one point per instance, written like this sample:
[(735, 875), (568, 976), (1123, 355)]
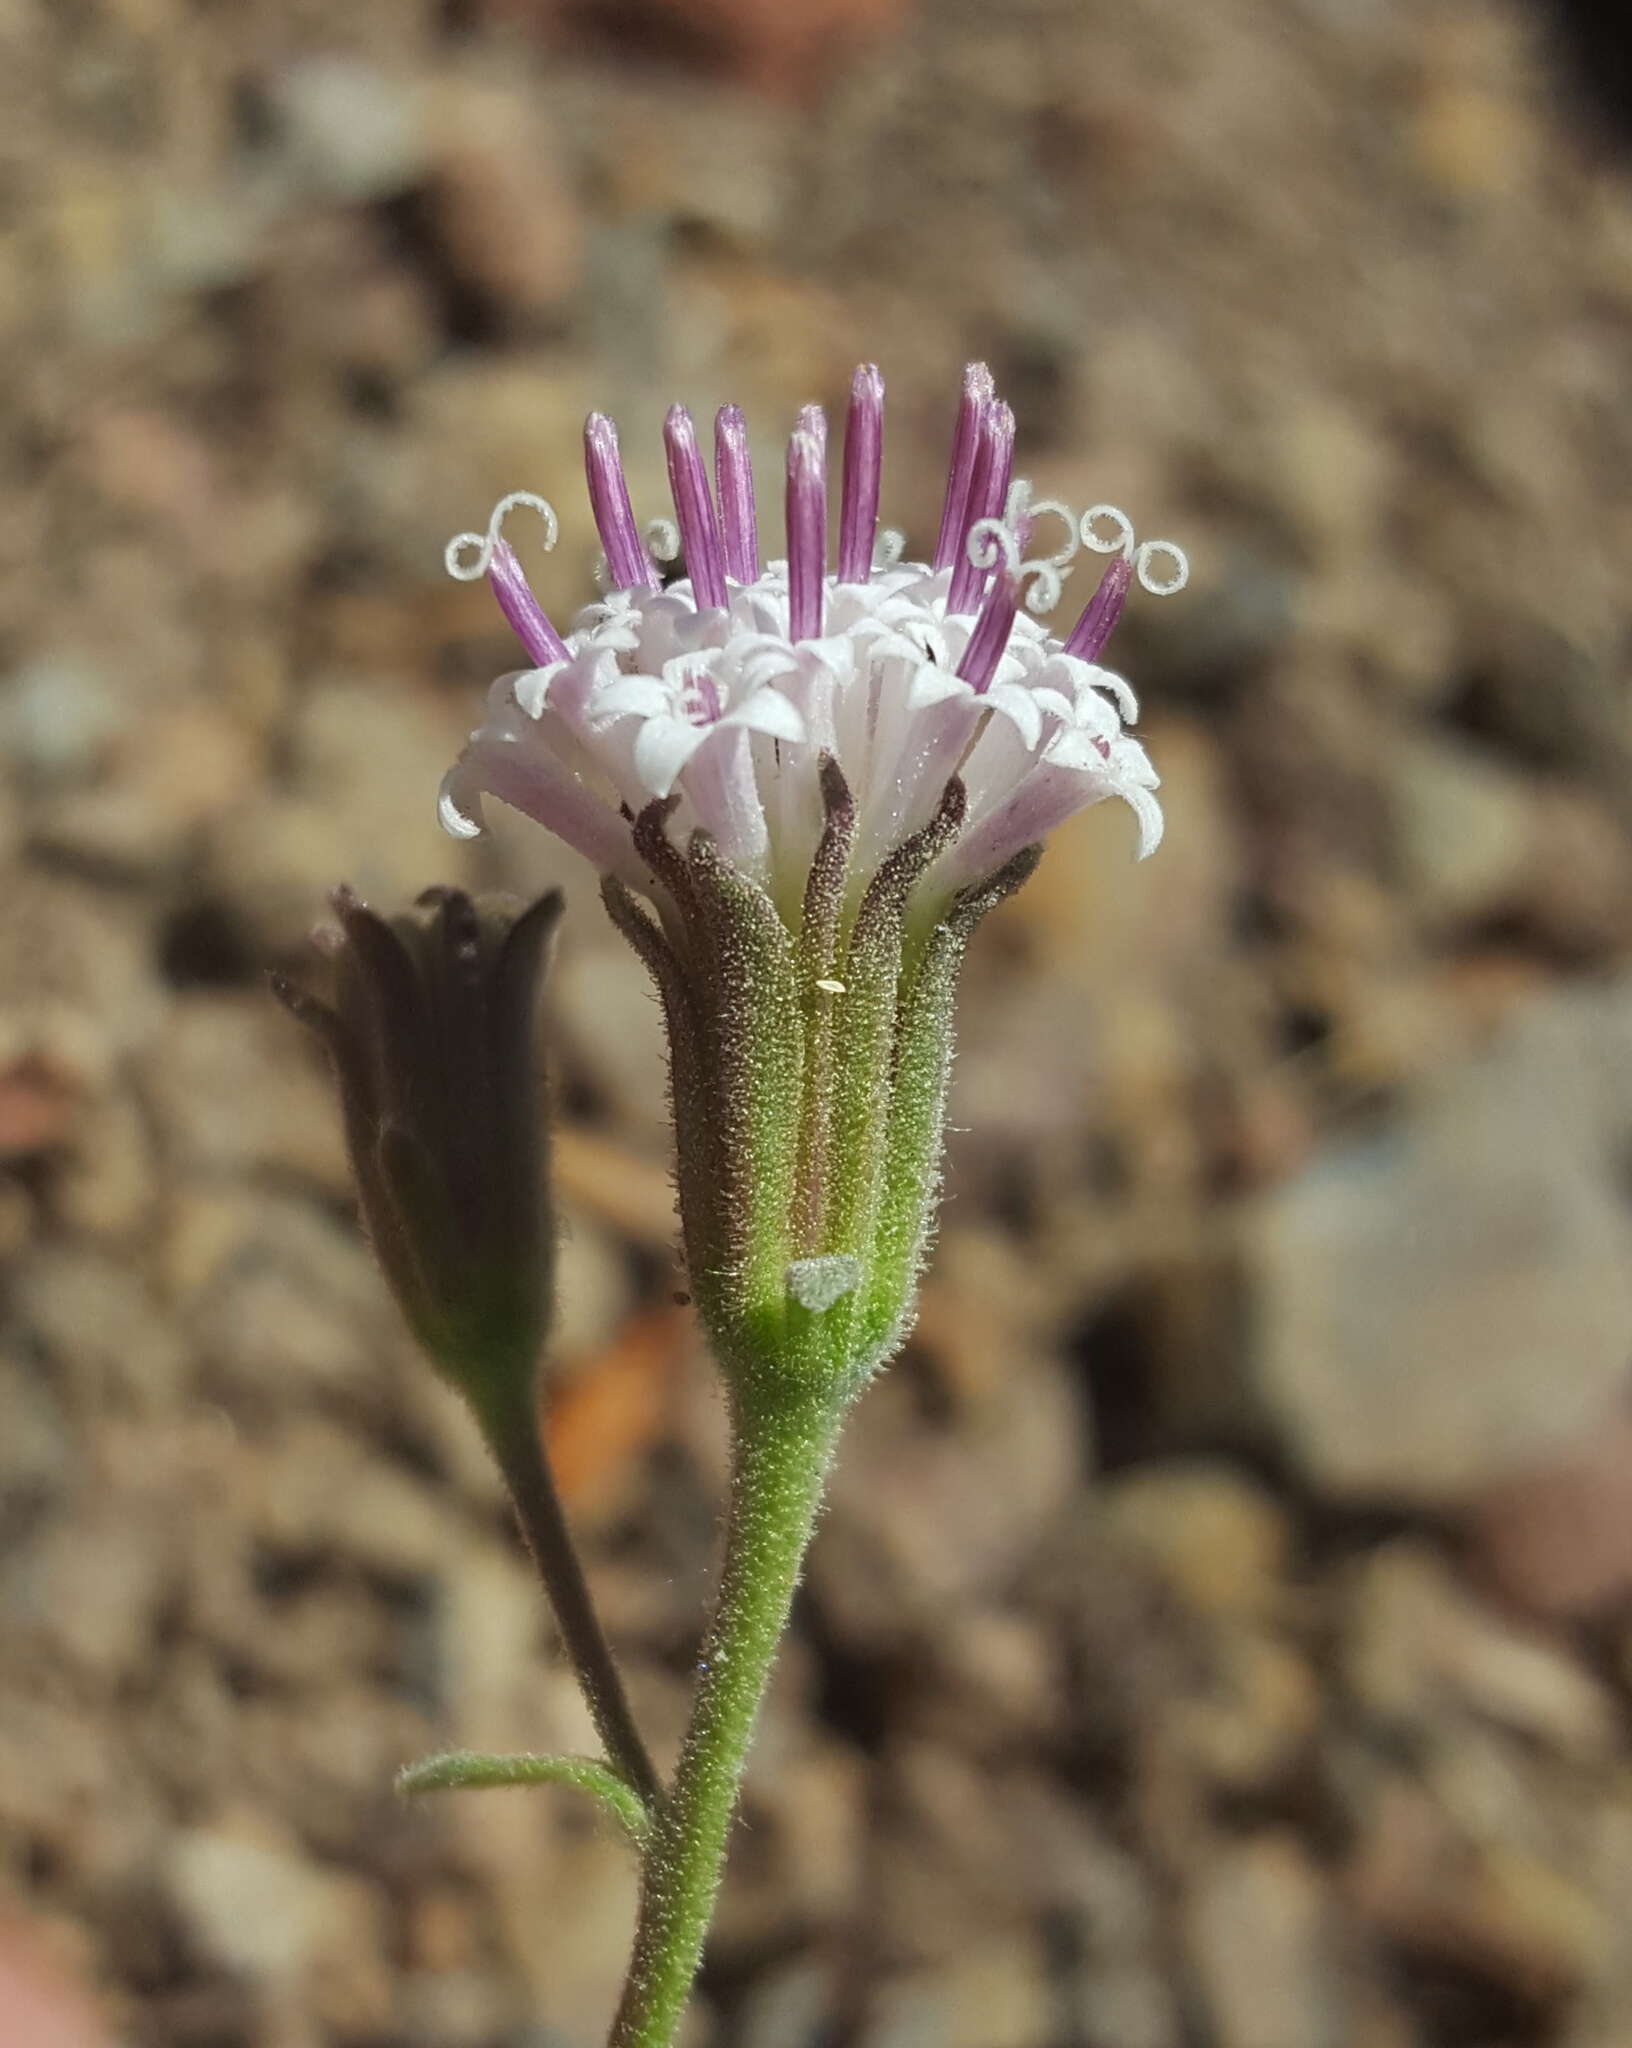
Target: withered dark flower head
[(431, 1031)]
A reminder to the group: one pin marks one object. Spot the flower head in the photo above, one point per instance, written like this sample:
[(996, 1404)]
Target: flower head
[(729, 687), (803, 785)]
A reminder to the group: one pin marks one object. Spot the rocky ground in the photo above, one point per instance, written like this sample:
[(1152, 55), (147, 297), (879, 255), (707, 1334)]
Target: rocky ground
[(1222, 1633)]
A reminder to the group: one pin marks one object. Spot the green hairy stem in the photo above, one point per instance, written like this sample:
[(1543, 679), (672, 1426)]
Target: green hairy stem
[(782, 1448)]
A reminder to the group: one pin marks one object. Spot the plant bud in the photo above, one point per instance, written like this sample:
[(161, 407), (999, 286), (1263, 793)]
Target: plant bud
[(431, 1032)]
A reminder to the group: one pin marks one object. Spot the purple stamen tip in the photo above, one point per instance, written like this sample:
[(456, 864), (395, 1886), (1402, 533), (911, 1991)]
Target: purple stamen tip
[(863, 470), (694, 510), (807, 534), (1103, 609), (978, 391), (528, 621), (734, 482), (991, 634), (988, 494), (628, 564)]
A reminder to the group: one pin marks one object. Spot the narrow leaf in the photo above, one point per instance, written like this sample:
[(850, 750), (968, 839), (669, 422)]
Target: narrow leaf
[(465, 1770)]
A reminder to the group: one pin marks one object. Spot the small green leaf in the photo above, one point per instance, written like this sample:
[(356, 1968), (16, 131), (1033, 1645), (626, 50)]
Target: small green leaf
[(463, 1770)]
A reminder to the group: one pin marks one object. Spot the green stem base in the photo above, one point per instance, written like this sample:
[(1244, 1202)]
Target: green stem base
[(782, 1449)]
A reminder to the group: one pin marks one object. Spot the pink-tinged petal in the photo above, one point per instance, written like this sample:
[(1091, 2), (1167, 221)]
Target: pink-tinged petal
[(1053, 706), (1081, 748), (1121, 690), (909, 775), (1132, 765), (734, 482), (1000, 759), (663, 746), (988, 490), (768, 711), (694, 510), (1052, 792), (978, 391), (766, 658), (508, 582), (632, 697), (1089, 635), (812, 688), (533, 781), (719, 779), (991, 635), (876, 644), (530, 690), (628, 564), (573, 687), (1043, 800), (933, 684), (1148, 813), (863, 473), (1086, 688), (807, 535), (606, 630), (1022, 709)]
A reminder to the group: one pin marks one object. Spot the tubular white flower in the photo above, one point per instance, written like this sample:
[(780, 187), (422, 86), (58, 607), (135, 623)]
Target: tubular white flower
[(904, 674)]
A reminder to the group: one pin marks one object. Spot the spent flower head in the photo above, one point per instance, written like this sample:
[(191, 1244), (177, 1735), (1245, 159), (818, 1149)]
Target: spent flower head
[(817, 775), (432, 1036)]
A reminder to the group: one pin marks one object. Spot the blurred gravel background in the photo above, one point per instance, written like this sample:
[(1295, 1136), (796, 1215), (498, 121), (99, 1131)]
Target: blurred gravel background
[(1221, 1636)]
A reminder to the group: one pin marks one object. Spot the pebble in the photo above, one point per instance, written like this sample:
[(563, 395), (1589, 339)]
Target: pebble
[(61, 715), (352, 132), (1467, 830), (229, 1099), (1219, 1542), (923, 1524), (1557, 1538), (1404, 1287), (994, 1995), (1254, 1719), (612, 1031), (1421, 1641), (108, 1186), (361, 808), (1259, 1937), (249, 1901), (45, 1995), (102, 1329), (507, 216), (284, 1302)]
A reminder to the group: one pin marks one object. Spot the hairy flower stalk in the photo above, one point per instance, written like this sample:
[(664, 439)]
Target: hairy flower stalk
[(804, 786)]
